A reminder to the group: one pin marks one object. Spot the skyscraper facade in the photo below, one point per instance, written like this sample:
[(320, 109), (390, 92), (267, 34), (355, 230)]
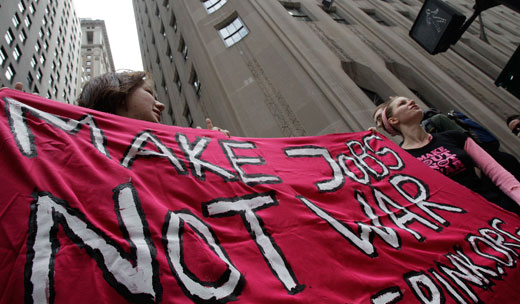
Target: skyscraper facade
[(96, 56), (274, 68), (40, 47)]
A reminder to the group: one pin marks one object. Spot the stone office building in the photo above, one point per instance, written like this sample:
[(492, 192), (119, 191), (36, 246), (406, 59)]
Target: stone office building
[(96, 56), (270, 68), (40, 47)]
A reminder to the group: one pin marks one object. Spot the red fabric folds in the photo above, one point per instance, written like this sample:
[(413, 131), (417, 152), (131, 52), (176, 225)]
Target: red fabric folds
[(101, 208)]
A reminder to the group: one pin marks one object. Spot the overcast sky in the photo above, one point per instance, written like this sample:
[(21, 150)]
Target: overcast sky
[(122, 33)]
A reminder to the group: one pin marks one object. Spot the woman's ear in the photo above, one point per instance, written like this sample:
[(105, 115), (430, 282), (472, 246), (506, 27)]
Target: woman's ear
[(393, 121)]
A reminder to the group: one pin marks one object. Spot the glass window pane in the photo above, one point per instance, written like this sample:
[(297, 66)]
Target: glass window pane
[(243, 32), (224, 32)]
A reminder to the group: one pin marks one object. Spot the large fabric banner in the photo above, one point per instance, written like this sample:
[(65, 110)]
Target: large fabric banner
[(97, 208)]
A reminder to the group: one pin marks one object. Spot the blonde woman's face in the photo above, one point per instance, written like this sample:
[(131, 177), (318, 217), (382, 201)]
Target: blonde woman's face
[(403, 109)]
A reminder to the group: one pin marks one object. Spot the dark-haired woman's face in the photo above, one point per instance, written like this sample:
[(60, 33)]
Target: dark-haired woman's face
[(142, 104)]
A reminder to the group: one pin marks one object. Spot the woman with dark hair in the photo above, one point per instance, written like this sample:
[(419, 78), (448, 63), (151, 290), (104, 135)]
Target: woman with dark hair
[(128, 94), (452, 153)]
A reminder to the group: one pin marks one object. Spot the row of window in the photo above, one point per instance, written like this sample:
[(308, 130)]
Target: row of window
[(10, 73), (26, 10)]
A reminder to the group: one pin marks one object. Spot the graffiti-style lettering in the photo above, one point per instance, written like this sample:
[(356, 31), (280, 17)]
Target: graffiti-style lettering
[(193, 153), (134, 275), (237, 162), (246, 207), (17, 116), (230, 283)]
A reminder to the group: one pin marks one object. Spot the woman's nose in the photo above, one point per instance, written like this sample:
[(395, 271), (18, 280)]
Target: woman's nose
[(160, 105)]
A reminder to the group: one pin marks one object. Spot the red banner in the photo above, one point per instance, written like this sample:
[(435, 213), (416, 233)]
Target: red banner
[(98, 208)]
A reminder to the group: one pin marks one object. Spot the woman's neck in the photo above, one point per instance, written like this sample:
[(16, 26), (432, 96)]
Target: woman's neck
[(414, 136)]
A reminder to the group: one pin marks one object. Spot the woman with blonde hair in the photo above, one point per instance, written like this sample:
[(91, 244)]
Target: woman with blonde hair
[(452, 153)]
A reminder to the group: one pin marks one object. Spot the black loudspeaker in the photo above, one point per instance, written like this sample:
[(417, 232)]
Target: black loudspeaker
[(509, 79), (437, 26)]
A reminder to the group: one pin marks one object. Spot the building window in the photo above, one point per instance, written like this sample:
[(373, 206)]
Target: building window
[(196, 83), (3, 56), (374, 97), (31, 9), (42, 59), (233, 32), (45, 45), (213, 5), (89, 63), (178, 82), (407, 15), (169, 53), (183, 48), (33, 62), (173, 22), (166, 3), (39, 75), (9, 73), (16, 53), (170, 112), (21, 7), (89, 70), (30, 79), (164, 86), (163, 31), (90, 37), (375, 16), (297, 13), (335, 16), (28, 22), (16, 20), (187, 115), (23, 36), (9, 36), (89, 57), (37, 46)]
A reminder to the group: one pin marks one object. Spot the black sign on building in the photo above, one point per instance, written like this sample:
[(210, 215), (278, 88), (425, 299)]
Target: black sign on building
[(437, 26)]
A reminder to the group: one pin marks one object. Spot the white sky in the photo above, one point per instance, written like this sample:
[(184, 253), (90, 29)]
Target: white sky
[(120, 23)]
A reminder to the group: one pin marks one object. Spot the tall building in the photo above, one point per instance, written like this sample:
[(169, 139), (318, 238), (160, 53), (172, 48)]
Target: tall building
[(96, 56), (40, 47), (269, 68)]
